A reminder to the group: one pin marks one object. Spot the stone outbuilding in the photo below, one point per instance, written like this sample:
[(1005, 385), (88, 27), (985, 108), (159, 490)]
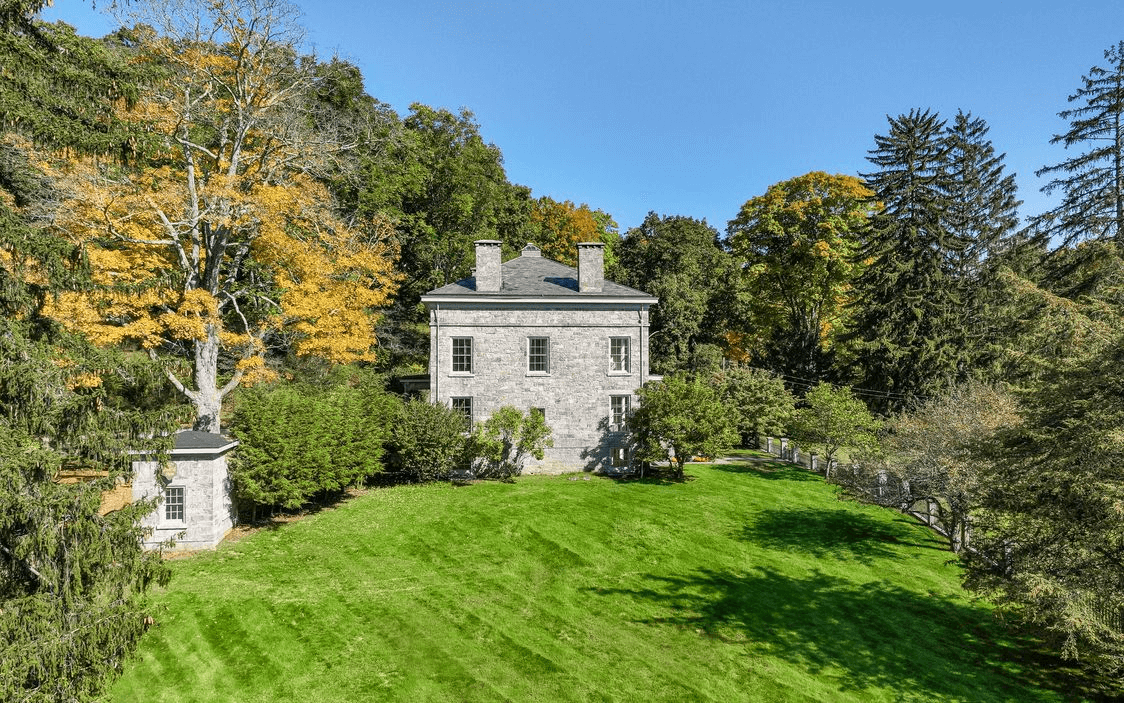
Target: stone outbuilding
[(543, 337), (196, 508)]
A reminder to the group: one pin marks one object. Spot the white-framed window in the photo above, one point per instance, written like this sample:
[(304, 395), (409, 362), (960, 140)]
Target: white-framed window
[(618, 354), (619, 457), (538, 354), (462, 354), (175, 503), (464, 407), (618, 412)]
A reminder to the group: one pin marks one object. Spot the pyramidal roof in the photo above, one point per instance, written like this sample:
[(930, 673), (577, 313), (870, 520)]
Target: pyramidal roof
[(533, 275)]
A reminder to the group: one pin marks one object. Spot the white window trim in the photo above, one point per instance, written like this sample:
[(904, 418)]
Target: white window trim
[(628, 357), (164, 519), (471, 356), (527, 365), (619, 427)]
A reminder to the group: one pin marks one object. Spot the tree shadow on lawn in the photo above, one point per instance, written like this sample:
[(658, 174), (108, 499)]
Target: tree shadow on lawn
[(863, 636), (840, 534)]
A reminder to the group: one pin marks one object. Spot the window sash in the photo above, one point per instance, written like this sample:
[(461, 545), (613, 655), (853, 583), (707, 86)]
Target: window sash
[(618, 412), (538, 354), (618, 352), (174, 503), (462, 354)]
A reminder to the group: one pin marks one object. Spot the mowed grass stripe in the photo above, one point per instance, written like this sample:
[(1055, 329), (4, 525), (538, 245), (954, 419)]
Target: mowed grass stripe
[(747, 582)]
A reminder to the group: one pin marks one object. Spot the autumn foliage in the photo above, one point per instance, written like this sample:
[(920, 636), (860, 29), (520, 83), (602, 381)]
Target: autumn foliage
[(222, 242)]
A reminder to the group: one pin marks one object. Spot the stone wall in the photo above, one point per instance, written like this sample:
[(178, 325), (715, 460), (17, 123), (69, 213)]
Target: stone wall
[(576, 390), (208, 507)]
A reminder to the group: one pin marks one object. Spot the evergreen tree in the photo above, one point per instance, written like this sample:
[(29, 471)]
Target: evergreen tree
[(1049, 539), (909, 304), (1092, 183), (982, 212), (71, 578), (982, 200)]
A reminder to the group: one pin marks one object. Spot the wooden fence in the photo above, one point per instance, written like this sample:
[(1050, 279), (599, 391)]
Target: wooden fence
[(924, 510)]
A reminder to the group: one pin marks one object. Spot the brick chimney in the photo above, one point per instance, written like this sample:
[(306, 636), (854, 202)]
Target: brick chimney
[(591, 267), (488, 276)]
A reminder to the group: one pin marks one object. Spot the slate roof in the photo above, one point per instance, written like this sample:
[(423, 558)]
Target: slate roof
[(191, 441), (532, 275)]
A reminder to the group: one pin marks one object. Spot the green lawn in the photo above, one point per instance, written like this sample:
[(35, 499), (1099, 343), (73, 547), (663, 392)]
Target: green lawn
[(748, 582)]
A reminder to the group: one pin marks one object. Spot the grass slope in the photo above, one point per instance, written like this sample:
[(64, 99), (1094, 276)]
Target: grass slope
[(749, 582)]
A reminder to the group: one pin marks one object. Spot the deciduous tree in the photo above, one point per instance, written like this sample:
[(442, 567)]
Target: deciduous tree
[(758, 400), (934, 453), (560, 226), (502, 443), (831, 419), (460, 194), (679, 418), (679, 260), (224, 241), (797, 248)]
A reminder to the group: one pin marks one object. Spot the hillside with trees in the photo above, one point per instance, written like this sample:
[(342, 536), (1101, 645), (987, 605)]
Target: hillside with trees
[(191, 206)]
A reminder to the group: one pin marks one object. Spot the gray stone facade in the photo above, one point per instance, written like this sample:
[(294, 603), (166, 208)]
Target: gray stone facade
[(195, 507), (542, 342)]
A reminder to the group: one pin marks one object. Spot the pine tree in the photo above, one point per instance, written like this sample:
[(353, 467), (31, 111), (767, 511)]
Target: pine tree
[(982, 200), (909, 302), (1092, 183), (982, 212), (1049, 540), (71, 578)]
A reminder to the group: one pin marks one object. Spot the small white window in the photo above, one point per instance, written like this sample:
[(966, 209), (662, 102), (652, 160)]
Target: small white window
[(462, 354), (538, 354), (620, 457), (618, 354), (174, 503), (618, 412)]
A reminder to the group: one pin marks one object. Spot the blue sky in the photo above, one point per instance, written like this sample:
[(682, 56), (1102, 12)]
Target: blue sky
[(691, 108)]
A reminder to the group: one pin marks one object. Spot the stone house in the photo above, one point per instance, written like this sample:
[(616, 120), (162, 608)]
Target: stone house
[(196, 507), (543, 337)]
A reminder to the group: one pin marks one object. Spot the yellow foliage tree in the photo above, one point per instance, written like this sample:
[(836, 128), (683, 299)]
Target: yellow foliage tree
[(797, 247), (562, 225), (223, 241)]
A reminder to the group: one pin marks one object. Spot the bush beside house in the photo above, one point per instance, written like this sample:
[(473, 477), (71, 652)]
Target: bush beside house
[(300, 442), (427, 441)]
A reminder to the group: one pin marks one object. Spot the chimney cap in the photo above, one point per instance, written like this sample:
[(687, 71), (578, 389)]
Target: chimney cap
[(591, 244)]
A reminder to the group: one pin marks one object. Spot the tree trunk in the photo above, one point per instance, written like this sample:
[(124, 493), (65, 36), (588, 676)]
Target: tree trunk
[(207, 397)]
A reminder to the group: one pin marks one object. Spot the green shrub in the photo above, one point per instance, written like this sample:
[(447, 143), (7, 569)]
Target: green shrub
[(500, 445), (681, 417), (299, 442), (426, 442)]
